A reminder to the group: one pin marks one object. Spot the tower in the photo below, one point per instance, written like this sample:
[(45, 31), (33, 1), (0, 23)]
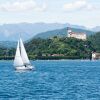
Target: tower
[(69, 31)]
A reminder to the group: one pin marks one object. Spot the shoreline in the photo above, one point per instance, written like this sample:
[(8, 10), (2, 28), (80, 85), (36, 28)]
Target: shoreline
[(49, 58), (57, 60)]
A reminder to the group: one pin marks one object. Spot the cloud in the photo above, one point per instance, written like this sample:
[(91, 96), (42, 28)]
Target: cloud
[(42, 8), (78, 5), (22, 5)]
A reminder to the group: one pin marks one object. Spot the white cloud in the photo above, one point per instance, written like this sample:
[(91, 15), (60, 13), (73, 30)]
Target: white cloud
[(23, 5), (42, 8), (78, 5)]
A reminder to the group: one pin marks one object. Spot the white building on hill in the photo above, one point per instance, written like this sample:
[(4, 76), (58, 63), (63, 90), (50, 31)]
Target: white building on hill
[(76, 35), (95, 55)]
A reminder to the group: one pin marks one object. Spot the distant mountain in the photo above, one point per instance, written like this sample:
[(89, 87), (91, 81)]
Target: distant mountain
[(60, 32), (44, 35), (96, 29), (10, 32)]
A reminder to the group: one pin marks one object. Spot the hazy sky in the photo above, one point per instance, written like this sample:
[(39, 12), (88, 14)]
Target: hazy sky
[(80, 12)]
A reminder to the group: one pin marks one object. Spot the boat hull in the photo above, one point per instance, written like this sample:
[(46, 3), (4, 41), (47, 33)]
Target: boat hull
[(24, 68)]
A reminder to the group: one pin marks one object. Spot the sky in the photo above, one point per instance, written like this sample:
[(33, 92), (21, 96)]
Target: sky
[(78, 12)]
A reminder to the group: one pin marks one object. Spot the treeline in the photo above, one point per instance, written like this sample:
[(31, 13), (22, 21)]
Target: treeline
[(7, 53)]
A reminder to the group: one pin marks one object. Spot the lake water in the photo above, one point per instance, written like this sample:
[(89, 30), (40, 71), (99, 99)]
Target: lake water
[(52, 80)]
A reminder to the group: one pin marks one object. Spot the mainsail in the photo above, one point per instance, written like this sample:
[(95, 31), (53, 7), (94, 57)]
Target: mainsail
[(23, 53), (18, 60)]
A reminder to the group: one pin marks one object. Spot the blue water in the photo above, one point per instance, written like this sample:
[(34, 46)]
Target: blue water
[(52, 80)]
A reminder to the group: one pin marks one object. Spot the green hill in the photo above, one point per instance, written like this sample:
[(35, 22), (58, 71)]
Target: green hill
[(57, 48), (95, 40)]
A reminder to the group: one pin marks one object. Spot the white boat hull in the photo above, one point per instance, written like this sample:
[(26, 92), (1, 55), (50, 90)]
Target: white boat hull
[(25, 68)]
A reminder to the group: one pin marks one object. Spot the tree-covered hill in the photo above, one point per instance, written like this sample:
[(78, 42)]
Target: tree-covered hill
[(59, 47), (95, 40), (7, 53)]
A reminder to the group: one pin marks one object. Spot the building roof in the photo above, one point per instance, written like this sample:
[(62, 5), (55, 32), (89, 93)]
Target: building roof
[(77, 33)]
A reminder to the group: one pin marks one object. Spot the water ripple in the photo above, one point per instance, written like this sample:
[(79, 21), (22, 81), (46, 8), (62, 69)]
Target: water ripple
[(52, 80)]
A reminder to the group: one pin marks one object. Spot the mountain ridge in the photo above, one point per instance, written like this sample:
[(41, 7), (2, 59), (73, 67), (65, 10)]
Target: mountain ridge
[(61, 33), (10, 32), (44, 35)]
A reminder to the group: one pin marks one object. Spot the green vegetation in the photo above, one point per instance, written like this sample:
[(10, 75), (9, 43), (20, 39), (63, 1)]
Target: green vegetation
[(57, 48), (95, 40), (7, 53)]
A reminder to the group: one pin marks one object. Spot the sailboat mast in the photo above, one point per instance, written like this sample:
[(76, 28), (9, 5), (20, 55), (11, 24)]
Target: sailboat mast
[(20, 43), (20, 48)]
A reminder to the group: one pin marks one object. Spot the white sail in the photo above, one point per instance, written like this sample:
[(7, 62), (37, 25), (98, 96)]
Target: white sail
[(18, 60), (23, 53)]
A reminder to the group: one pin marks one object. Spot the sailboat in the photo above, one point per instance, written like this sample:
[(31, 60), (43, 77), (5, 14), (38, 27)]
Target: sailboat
[(21, 61)]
